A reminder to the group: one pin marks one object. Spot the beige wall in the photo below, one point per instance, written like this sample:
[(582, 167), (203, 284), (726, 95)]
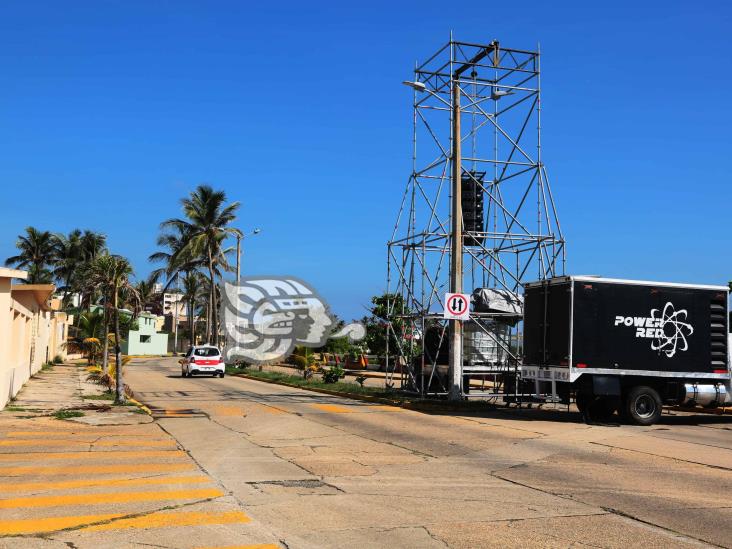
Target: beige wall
[(31, 332)]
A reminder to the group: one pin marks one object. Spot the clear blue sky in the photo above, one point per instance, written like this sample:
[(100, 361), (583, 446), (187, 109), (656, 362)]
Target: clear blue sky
[(111, 111)]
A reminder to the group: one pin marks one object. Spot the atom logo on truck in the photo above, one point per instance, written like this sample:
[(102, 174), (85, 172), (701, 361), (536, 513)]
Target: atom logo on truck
[(668, 331)]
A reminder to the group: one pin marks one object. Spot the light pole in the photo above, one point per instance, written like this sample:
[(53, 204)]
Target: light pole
[(175, 315), (239, 237)]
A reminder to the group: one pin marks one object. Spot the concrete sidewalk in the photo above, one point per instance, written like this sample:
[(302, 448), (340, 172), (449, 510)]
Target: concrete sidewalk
[(109, 478), (66, 388)]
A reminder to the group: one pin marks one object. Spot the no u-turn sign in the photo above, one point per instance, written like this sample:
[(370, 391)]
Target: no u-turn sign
[(457, 306)]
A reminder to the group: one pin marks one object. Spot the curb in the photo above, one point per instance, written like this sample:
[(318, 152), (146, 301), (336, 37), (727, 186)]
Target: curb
[(140, 405), (416, 406)]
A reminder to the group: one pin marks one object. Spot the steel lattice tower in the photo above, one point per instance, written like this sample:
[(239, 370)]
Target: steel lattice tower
[(476, 120)]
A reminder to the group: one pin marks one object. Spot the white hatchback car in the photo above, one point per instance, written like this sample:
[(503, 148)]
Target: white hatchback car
[(202, 359)]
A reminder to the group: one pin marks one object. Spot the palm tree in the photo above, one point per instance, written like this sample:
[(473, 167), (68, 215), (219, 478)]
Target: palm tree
[(39, 275), (172, 257), (146, 293), (205, 228), (88, 335), (72, 256), (111, 273), (67, 259), (36, 253), (92, 245), (193, 287)]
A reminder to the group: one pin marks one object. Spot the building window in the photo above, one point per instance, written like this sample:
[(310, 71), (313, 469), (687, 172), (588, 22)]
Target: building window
[(144, 339)]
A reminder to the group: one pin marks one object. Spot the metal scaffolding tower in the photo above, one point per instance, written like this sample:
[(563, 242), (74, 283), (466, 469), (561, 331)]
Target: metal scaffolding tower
[(477, 212)]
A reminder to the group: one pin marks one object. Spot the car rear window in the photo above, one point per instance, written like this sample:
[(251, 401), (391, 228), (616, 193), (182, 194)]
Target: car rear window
[(206, 351)]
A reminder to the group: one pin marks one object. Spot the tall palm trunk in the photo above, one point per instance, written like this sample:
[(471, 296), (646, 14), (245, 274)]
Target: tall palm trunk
[(120, 396), (214, 320), (192, 321), (105, 351)]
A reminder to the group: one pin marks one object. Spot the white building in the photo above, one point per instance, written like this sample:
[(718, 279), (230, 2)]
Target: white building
[(174, 301)]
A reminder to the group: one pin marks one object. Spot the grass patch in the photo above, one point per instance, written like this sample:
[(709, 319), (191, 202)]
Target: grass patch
[(15, 409), (317, 383), (47, 366), (67, 414), (103, 396), (395, 397)]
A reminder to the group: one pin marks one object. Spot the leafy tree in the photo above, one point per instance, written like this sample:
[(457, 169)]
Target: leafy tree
[(205, 227), (35, 254), (386, 309)]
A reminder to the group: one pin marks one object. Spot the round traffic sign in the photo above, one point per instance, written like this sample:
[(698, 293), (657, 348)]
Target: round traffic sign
[(457, 305)]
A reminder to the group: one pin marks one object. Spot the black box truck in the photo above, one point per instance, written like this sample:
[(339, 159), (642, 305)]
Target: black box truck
[(626, 346)]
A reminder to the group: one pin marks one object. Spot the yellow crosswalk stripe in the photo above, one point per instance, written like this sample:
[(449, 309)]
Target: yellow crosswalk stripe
[(92, 455), (77, 432), (107, 498), (71, 442), (160, 520), (95, 469), (51, 524), (115, 482)]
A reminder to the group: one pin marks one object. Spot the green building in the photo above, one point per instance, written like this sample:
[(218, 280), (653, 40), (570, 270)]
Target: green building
[(145, 340)]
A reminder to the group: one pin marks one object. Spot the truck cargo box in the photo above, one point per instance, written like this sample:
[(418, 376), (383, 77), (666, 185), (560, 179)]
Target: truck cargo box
[(581, 324)]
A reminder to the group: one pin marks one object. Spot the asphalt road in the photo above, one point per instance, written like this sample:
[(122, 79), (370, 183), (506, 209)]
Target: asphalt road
[(320, 471)]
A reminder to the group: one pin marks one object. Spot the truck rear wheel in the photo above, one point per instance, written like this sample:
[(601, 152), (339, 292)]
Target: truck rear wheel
[(642, 405)]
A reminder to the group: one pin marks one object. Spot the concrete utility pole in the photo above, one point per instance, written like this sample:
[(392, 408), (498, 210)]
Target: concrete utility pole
[(456, 242), (456, 246)]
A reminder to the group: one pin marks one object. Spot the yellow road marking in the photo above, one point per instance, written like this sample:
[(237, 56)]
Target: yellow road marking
[(103, 499), (68, 442), (86, 433), (38, 525), (257, 546), (333, 408), (228, 411), (91, 455), (96, 469), (161, 520), (22, 486)]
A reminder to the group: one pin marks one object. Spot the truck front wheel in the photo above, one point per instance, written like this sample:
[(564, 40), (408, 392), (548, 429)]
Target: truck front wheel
[(642, 405)]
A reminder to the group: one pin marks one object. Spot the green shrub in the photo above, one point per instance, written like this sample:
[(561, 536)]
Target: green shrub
[(58, 360), (332, 375), (300, 361)]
